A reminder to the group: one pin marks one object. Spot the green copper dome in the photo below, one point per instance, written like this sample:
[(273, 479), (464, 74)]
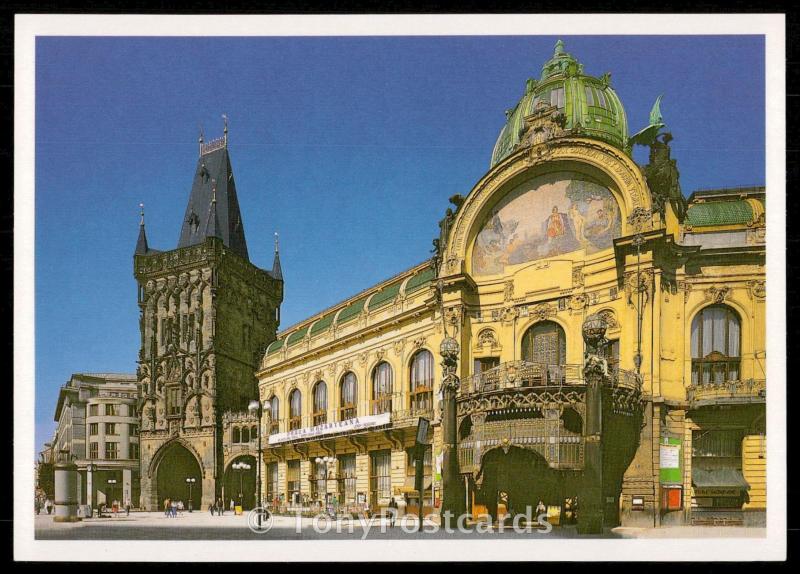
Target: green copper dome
[(590, 106)]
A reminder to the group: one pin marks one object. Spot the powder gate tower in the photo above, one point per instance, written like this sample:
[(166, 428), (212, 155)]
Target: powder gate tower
[(206, 315)]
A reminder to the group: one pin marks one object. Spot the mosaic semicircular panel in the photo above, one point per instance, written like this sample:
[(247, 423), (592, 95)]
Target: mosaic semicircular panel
[(546, 216)]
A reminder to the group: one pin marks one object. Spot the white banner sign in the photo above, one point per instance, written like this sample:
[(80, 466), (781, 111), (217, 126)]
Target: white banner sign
[(357, 423)]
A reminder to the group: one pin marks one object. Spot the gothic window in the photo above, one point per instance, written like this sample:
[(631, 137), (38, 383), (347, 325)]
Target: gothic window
[(545, 345), (320, 414), (274, 411), (382, 389), (347, 403), (715, 342), (253, 432), (174, 401), (295, 404), (245, 435), (237, 436), (421, 381)]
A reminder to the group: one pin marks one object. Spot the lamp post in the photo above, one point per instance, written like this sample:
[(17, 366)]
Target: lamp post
[(90, 469), (256, 408), (190, 481)]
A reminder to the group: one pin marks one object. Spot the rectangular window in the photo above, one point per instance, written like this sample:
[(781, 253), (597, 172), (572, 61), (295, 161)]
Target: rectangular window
[(134, 451), (112, 410), (380, 477), (111, 428), (272, 483), (93, 450), (93, 410), (557, 97), (318, 480), (293, 481), (718, 443), (112, 450), (347, 479), (133, 429), (601, 99), (92, 429), (485, 363)]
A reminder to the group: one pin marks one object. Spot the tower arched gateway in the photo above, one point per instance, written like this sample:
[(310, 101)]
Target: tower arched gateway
[(175, 464), (206, 315)]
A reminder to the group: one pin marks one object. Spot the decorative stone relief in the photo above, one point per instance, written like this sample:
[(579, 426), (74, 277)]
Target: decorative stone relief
[(542, 311), (757, 288), (577, 302), (717, 294), (487, 338)]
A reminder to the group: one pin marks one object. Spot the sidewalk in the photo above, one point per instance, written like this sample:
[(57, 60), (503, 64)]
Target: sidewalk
[(690, 532)]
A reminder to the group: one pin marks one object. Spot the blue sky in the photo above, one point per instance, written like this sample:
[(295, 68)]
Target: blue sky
[(348, 147)]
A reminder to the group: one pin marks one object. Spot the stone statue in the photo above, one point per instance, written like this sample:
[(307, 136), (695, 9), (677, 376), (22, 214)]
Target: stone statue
[(663, 177)]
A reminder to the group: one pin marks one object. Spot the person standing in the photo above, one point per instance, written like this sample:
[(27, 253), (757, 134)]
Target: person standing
[(392, 511), (166, 507), (233, 506)]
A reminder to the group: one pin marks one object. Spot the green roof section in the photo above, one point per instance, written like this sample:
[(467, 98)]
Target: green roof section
[(275, 346), (419, 280), (590, 105), (322, 324), (719, 213), (385, 295), (351, 311), (297, 336)]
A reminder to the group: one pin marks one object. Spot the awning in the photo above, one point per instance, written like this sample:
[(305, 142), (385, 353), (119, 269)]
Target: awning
[(408, 486), (719, 478)]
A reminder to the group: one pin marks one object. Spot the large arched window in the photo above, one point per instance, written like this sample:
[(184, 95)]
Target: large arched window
[(348, 394), (274, 412), (716, 342), (295, 409), (421, 381), (545, 345), (245, 434), (237, 435), (320, 414), (382, 389)]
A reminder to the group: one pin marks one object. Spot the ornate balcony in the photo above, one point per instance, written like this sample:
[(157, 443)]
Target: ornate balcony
[(519, 374), (729, 392)]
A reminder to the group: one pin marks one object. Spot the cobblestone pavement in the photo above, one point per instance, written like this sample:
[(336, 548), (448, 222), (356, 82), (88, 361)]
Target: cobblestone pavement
[(201, 525)]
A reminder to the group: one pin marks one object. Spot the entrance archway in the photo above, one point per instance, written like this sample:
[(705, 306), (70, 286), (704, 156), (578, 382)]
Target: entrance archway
[(240, 485), (176, 465), (514, 480)]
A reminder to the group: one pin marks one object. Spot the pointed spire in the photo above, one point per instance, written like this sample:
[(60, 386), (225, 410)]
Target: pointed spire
[(212, 227), (225, 131), (141, 243), (277, 273), (559, 49), (200, 141)]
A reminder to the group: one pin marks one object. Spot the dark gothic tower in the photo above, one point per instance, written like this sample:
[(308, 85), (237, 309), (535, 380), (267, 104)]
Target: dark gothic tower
[(206, 316)]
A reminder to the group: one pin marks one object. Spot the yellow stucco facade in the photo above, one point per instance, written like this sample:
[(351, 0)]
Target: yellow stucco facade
[(562, 230)]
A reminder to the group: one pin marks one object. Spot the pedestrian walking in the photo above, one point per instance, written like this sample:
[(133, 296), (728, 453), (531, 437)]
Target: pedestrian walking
[(233, 506), (211, 508), (174, 509), (220, 507), (127, 508), (166, 507)]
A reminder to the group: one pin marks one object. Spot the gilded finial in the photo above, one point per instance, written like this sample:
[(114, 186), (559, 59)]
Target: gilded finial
[(141, 208)]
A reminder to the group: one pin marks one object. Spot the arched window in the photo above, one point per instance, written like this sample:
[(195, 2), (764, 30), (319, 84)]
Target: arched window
[(245, 434), (295, 409), (716, 342), (253, 432), (347, 403), (421, 381), (382, 389), (275, 412), (320, 414), (545, 346), (237, 436)]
